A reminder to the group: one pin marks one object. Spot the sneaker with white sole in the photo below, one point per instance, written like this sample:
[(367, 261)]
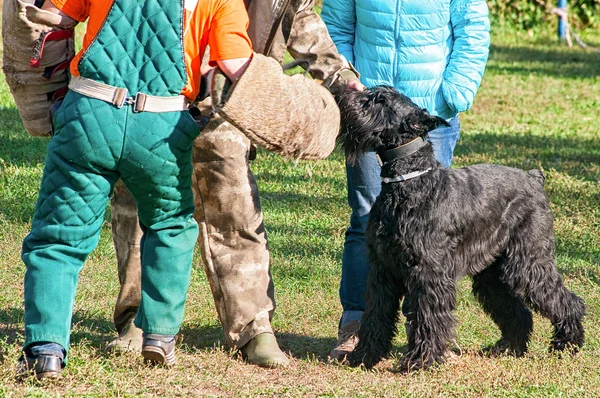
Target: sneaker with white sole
[(347, 341)]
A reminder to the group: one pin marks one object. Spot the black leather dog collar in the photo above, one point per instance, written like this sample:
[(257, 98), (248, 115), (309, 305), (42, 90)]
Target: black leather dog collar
[(403, 150)]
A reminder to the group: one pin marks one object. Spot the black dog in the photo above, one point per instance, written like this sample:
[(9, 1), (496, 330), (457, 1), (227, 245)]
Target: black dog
[(431, 226)]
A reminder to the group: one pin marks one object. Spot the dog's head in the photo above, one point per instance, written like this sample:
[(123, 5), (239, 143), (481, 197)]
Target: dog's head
[(379, 119)]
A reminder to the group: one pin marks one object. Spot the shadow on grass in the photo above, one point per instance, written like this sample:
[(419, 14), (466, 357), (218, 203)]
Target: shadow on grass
[(17, 209), (579, 158), (318, 348), (97, 331), (560, 62), (21, 208), (11, 325), (306, 347), (202, 337), (280, 202), (207, 337), (86, 327), (299, 346)]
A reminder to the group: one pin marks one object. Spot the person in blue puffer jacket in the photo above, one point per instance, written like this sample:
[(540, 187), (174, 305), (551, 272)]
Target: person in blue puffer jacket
[(433, 51)]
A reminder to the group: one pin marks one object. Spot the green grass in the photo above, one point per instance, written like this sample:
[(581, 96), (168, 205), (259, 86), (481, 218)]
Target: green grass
[(537, 107)]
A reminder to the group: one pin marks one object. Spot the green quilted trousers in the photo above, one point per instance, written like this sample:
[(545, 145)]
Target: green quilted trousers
[(95, 144), (151, 152)]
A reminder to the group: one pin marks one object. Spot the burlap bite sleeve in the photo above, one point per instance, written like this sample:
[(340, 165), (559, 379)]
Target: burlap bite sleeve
[(290, 115), (35, 69)]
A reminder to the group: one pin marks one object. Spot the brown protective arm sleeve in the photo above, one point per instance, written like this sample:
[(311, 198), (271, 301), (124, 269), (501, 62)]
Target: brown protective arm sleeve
[(290, 115)]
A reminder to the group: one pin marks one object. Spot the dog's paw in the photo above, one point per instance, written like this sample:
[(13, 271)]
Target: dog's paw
[(564, 346), (352, 362), (412, 362), (503, 347), (357, 359), (568, 339), (408, 365)]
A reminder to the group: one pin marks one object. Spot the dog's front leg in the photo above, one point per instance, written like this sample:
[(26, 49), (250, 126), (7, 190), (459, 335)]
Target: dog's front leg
[(378, 324), (431, 300)]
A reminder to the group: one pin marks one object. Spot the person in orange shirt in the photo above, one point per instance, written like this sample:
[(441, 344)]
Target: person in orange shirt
[(125, 117), (233, 239)]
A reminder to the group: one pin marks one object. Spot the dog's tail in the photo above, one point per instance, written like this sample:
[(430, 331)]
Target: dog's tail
[(538, 174)]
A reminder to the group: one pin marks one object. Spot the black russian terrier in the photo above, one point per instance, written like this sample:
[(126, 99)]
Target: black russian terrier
[(431, 225)]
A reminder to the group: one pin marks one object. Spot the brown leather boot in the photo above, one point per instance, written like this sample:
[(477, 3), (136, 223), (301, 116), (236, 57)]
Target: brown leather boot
[(264, 351)]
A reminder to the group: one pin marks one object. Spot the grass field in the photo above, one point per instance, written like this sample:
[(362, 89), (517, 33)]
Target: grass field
[(537, 108)]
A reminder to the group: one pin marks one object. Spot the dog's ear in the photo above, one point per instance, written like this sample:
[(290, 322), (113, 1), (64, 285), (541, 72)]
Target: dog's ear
[(435, 122), (421, 122)]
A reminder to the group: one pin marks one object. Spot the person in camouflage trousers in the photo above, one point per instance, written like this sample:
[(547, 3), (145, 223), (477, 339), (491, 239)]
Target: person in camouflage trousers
[(232, 238)]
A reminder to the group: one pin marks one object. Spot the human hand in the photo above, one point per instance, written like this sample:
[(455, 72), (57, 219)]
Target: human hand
[(346, 78), (356, 85)]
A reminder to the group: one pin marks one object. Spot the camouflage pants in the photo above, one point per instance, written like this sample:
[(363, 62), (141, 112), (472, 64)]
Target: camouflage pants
[(232, 237)]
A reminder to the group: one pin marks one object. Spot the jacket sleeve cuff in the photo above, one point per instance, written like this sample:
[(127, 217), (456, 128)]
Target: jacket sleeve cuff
[(457, 100), (339, 80)]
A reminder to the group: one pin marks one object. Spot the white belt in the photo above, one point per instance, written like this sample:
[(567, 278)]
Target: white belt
[(118, 96)]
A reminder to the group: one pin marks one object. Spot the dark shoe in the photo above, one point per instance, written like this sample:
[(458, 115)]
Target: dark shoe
[(264, 351), (347, 341), (159, 349), (130, 339), (42, 366)]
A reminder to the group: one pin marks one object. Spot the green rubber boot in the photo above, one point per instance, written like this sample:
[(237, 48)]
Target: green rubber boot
[(264, 351), (130, 339)]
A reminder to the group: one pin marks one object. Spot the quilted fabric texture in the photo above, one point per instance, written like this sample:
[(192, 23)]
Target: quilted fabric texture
[(94, 144), (140, 48)]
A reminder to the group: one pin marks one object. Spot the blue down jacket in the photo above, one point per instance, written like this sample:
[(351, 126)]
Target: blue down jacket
[(433, 51)]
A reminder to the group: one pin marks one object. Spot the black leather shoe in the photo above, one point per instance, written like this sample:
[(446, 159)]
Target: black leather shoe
[(42, 366), (159, 349)]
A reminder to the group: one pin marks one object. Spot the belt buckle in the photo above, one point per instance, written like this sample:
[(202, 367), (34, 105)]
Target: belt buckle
[(120, 98), (127, 101), (139, 102)]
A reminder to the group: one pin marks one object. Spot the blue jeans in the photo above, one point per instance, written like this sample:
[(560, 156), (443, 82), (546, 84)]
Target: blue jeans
[(364, 185)]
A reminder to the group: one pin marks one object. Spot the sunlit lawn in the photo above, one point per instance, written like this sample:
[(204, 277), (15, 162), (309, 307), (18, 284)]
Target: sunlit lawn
[(537, 108)]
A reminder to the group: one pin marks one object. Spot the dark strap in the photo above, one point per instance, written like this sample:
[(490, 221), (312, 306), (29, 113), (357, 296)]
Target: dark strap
[(297, 62), (276, 22), (403, 150), (57, 94), (49, 71), (200, 119), (38, 45)]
